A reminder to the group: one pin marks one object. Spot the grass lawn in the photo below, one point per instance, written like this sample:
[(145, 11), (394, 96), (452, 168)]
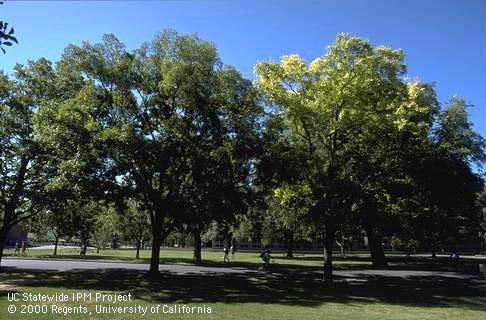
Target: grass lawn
[(260, 296), (297, 294)]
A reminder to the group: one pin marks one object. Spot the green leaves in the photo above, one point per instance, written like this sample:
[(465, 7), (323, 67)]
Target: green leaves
[(456, 136)]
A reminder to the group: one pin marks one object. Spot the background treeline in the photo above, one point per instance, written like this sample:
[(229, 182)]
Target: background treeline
[(167, 138)]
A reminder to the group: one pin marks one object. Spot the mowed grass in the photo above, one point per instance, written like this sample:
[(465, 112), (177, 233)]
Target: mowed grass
[(257, 296), (296, 293)]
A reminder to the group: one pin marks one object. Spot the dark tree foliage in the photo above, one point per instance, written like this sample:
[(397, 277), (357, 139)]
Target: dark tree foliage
[(7, 38)]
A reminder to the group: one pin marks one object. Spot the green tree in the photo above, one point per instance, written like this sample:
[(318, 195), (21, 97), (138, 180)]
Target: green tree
[(482, 206), (446, 215), (134, 224), (221, 142), (154, 117), (455, 134), (56, 219), (286, 215), (23, 170), (106, 225)]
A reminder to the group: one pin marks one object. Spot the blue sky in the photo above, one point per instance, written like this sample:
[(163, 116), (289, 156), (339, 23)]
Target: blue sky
[(444, 41)]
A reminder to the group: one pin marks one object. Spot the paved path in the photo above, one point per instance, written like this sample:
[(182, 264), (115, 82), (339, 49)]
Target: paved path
[(70, 265), (59, 247)]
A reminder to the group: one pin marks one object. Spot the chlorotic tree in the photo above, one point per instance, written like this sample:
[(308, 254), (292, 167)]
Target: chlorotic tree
[(331, 106)]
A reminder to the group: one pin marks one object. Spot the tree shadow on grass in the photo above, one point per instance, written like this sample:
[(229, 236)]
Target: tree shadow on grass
[(282, 286)]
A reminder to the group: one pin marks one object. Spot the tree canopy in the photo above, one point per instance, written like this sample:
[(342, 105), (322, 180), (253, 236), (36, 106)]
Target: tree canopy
[(109, 143)]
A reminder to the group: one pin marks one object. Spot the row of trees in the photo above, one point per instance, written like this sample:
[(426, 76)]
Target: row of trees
[(169, 133)]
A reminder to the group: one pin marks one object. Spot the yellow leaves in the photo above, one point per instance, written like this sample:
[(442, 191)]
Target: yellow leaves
[(293, 67), (401, 123), (287, 193), (268, 77), (415, 89), (280, 83), (316, 67), (410, 112)]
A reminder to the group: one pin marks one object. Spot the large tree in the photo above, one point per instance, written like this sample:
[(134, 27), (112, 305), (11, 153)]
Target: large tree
[(332, 106), (23, 160), (166, 119)]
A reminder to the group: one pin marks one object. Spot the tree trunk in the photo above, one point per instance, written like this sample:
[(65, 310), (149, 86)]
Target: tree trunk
[(3, 238), (155, 258), (197, 246), (328, 244), (377, 253), (114, 241), (290, 245), (55, 245), (376, 249), (139, 243), (156, 224), (81, 244)]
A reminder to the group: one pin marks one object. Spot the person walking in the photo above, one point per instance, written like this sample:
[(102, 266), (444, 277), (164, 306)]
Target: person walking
[(84, 248), (226, 255), (17, 249), (233, 251), (24, 248)]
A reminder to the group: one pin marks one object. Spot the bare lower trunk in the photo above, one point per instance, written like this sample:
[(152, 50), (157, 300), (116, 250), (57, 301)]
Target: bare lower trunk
[(82, 243), (376, 249), (156, 243), (155, 258), (290, 245), (197, 247), (55, 245), (327, 275), (3, 238), (137, 256), (114, 241)]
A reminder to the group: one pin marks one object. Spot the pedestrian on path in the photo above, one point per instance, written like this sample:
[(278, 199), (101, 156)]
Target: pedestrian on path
[(24, 248), (226, 255)]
